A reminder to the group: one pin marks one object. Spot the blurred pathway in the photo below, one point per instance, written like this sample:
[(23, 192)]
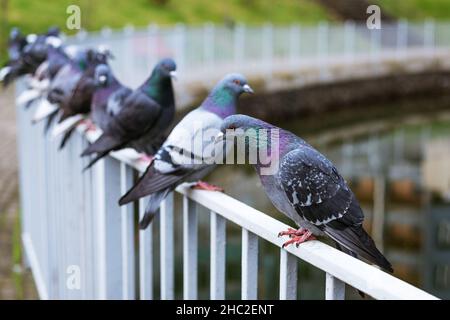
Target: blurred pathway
[(14, 284)]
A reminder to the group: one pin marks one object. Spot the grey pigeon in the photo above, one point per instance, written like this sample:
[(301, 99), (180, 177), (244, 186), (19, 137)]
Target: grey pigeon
[(73, 87), (108, 98), (31, 55), (146, 113), (307, 187), (173, 163)]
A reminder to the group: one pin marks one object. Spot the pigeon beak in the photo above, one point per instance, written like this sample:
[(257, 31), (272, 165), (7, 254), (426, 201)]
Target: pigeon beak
[(247, 88), (173, 75), (102, 79)]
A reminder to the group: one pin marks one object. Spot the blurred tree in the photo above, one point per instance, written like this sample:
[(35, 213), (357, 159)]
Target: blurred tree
[(3, 28)]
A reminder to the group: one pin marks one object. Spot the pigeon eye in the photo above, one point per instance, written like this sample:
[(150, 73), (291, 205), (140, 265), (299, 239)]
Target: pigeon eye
[(236, 81)]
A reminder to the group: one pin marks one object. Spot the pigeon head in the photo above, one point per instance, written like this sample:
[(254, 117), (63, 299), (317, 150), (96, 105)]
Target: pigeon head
[(234, 84), (15, 34), (223, 98), (53, 31), (96, 57), (165, 69), (159, 85), (262, 140), (103, 75)]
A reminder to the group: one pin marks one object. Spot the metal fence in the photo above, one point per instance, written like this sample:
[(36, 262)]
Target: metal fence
[(81, 245), (210, 50)]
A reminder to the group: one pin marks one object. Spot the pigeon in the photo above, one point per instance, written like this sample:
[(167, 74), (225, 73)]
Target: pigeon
[(146, 113), (39, 85), (33, 53), (73, 91), (108, 98), (306, 186), (173, 163), (16, 42)]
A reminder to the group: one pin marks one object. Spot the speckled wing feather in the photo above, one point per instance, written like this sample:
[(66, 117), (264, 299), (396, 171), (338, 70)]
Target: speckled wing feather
[(314, 187)]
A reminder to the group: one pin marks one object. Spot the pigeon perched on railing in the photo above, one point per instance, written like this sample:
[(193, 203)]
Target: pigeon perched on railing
[(16, 42), (73, 91), (26, 57), (175, 162), (108, 98), (306, 187), (145, 115), (39, 84)]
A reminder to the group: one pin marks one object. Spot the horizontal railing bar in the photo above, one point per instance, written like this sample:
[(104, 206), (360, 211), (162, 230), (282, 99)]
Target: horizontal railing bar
[(352, 271)]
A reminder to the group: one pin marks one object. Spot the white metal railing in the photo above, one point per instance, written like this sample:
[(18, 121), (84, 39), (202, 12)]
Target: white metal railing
[(81, 245), (211, 50)]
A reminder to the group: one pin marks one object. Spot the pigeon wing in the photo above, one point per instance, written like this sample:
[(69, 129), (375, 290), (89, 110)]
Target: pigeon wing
[(314, 187)]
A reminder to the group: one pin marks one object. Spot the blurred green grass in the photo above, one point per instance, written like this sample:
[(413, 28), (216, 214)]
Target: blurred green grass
[(417, 9), (36, 16)]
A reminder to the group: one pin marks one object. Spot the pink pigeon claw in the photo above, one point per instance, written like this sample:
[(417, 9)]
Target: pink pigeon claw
[(201, 185)]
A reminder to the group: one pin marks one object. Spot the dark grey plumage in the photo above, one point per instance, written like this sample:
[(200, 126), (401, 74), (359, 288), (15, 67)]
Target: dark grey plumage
[(308, 188), (146, 113), (108, 98)]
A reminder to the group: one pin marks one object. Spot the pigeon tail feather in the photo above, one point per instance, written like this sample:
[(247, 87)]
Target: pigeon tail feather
[(66, 137), (96, 158), (150, 182), (152, 206), (356, 239), (104, 144)]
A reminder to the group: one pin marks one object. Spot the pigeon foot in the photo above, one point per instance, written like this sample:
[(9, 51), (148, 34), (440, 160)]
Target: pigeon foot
[(297, 240), (292, 232), (146, 158), (89, 125), (201, 185)]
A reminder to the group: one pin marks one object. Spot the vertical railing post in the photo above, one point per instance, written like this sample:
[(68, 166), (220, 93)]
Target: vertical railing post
[(429, 30), (127, 59), (239, 45), (267, 48), (217, 256), (190, 249), (166, 248), (127, 232), (249, 285), (107, 189), (349, 38), (322, 39), (145, 256), (402, 37), (180, 41), (375, 43), (334, 288), (294, 43), (152, 45), (208, 44), (288, 276)]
